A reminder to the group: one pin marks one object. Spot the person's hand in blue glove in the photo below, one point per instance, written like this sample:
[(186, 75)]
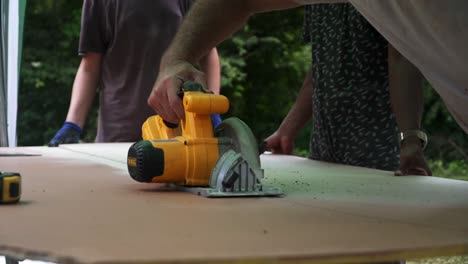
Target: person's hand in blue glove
[(68, 134), (215, 120)]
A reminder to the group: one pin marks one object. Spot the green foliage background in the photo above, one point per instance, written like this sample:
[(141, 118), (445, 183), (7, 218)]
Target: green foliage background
[(50, 61), (263, 66)]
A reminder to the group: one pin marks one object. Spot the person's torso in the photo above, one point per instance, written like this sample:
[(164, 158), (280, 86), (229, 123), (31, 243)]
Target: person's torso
[(138, 33)]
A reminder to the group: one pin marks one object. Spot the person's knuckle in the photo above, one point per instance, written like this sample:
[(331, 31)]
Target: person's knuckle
[(150, 101), (158, 93)]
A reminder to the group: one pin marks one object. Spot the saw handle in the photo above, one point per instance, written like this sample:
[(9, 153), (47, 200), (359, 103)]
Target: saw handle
[(170, 125), (187, 86)]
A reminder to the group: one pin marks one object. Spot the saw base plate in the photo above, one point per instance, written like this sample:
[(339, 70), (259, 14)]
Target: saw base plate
[(215, 193)]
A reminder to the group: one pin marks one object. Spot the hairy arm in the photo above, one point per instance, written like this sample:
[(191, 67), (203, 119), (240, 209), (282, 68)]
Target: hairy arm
[(209, 22)]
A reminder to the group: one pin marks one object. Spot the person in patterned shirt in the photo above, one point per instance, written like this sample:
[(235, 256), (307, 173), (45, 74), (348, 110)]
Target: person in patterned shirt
[(346, 94)]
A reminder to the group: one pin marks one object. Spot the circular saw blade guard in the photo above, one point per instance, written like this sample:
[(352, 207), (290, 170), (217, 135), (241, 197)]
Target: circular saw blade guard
[(238, 171)]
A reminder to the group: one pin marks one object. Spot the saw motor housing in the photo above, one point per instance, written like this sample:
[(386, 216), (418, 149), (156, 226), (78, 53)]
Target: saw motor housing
[(184, 155)]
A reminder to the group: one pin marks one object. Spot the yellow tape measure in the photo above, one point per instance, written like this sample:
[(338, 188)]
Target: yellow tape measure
[(10, 187)]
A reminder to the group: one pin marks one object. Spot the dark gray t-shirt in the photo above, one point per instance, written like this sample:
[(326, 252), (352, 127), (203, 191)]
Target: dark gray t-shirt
[(132, 35)]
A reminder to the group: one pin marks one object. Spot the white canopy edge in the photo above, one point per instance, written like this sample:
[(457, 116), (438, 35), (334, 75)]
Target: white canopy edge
[(12, 71)]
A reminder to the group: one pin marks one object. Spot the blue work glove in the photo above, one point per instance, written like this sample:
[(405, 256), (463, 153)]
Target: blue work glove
[(69, 133), (215, 120)]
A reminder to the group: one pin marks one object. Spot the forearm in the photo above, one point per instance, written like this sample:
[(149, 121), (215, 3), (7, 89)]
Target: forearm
[(406, 95), (84, 90), (210, 66), (209, 22), (301, 112), (406, 91)]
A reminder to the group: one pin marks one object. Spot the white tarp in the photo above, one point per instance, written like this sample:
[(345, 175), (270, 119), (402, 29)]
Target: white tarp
[(12, 70), (12, 17)]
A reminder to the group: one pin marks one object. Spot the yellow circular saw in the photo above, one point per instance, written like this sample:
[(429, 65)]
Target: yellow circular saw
[(192, 157)]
